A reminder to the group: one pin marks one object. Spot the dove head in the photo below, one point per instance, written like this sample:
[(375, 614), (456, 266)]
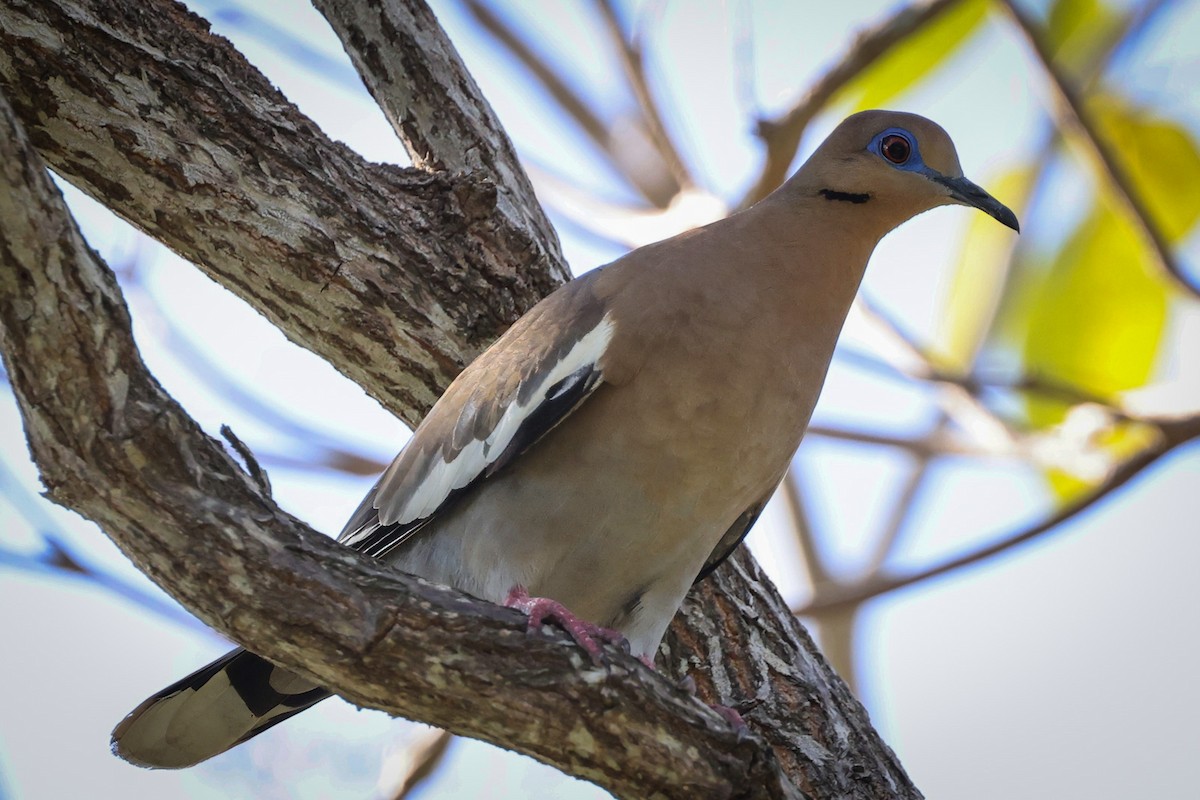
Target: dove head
[(892, 166)]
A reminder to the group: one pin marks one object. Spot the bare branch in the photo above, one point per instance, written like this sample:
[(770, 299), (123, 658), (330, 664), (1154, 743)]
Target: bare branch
[(810, 716), (569, 100), (420, 760), (802, 529), (253, 468), (57, 557), (649, 177), (936, 443), (397, 276), (902, 509), (1071, 114), (416, 76), (782, 135), (633, 62), (958, 399), (1175, 433)]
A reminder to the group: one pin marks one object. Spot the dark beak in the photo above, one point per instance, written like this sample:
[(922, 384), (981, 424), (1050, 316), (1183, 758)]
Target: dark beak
[(969, 194)]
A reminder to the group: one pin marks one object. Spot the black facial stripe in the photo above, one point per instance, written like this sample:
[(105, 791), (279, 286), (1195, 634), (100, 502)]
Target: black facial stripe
[(849, 197)]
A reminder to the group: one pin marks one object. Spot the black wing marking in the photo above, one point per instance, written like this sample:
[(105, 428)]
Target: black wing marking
[(733, 537), (558, 402), (519, 390)]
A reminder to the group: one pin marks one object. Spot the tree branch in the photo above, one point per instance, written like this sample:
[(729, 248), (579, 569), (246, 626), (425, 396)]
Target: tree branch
[(1072, 115), (782, 135), (622, 146), (113, 446), (396, 276), (1174, 433), (416, 76), (818, 729), (632, 61), (420, 760), (569, 100)]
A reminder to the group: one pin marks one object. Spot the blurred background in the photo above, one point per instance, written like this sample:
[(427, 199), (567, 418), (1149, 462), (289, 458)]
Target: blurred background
[(993, 524)]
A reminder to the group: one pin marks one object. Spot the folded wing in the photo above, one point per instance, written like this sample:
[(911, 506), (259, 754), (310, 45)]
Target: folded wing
[(528, 382)]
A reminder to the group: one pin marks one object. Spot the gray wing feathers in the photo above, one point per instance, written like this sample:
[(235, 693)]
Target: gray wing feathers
[(521, 388)]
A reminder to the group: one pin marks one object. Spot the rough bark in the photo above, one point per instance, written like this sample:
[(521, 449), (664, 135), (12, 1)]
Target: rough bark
[(415, 75), (397, 276), (382, 271), (742, 645)]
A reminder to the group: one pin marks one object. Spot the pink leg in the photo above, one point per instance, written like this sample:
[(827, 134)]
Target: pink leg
[(586, 634)]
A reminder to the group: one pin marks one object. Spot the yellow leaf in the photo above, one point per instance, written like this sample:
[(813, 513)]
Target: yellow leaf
[(1097, 319), (909, 63), (1075, 30), (979, 277), (1065, 486), (1161, 158)]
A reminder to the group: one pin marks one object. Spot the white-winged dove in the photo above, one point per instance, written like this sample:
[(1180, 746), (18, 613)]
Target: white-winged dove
[(616, 444)]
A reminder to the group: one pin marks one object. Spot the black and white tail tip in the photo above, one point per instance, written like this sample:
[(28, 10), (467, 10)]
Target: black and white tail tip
[(236, 697)]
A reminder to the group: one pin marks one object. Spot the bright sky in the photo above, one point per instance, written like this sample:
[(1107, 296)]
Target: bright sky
[(1061, 670)]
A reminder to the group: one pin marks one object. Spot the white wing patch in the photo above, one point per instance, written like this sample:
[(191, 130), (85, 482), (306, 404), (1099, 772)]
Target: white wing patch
[(446, 476)]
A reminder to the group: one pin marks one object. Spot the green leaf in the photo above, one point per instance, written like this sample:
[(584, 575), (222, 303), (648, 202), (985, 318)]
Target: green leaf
[(909, 63), (1097, 319), (1161, 159), (978, 282)]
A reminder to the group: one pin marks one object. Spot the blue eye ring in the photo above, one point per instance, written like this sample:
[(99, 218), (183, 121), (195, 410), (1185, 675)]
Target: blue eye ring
[(899, 148)]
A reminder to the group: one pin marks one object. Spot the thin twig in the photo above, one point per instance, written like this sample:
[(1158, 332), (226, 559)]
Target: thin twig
[(902, 509), (635, 74), (937, 443), (323, 461), (1072, 114), (253, 468), (958, 399), (421, 758), (818, 574), (58, 558), (655, 184), (744, 59), (975, 383), (782, 135), (1175, 433), (567, 98)]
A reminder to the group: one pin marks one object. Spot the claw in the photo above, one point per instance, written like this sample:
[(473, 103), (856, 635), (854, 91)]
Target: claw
[(731, 716), (586, 634), (728, 713)]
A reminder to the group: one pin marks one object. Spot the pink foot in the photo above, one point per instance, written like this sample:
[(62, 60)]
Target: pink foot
[(586, 634)]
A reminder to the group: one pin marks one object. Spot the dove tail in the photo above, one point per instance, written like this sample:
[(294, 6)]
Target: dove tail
[(236, 697)]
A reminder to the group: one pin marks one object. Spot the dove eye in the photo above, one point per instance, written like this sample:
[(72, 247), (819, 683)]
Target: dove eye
[(895, 148)]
